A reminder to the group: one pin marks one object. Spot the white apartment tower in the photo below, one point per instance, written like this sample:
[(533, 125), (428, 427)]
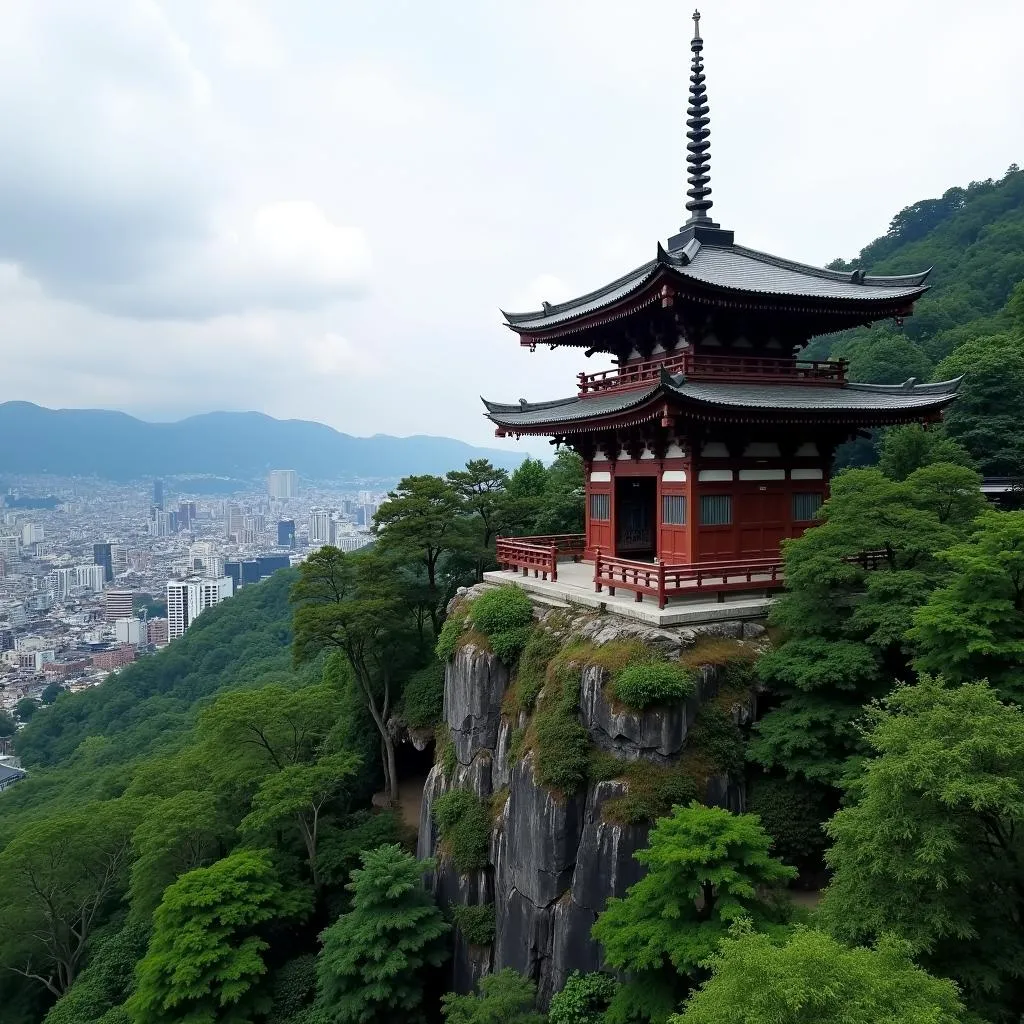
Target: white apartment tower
[(188, 598), (283, 484), (320, 526)]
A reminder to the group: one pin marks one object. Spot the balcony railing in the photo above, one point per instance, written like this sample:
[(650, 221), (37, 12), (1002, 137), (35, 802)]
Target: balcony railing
[(711, 366), (541, 554)]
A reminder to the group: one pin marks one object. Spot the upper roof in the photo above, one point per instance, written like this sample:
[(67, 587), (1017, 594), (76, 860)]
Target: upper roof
[(732, 268), (703, 259), (861, 402)]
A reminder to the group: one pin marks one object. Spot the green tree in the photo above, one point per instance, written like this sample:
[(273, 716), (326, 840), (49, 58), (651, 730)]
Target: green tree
[(26, 708), (888, 359), (205, 963), (973, 628), (374, 958), (583, 1000), (481, 487), (812, 979), (8, 726), (952, 492), (928, 847), (504, 998), (844, 623), (422, 521), (59, 878), (705, 868), (349, 603), (177, 834), (51, 693), (912, 446), (298, 794)]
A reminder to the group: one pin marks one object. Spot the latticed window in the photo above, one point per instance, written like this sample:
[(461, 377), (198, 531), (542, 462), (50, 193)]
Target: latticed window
[(673, 509), (600, 506), (715, 509), (806, 507)]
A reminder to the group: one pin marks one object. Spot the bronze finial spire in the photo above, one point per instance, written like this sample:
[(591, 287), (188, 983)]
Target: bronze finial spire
[(698, 158)]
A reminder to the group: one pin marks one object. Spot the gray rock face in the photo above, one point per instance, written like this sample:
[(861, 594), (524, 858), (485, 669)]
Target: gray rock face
[(474, 685), (554, 861)]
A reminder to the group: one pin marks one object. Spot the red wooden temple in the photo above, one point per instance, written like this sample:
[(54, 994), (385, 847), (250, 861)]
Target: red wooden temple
[(711, 439)]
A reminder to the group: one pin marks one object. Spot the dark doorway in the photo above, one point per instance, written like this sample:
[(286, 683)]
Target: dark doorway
[(636, 516)]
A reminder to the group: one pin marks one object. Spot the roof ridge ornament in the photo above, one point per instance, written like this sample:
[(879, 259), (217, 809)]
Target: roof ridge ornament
[(698, 155)]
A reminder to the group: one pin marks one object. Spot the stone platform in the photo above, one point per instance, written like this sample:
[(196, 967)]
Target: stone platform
[(575, 586)]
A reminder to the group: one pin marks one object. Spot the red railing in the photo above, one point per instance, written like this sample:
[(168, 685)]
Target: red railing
[(662, 580), (709, 366), (541, 554)]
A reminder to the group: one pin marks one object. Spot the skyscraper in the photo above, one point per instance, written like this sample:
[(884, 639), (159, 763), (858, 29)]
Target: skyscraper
[(103, 555), (286, 533), (186, 514), (90, 576), (188, 598), (117, 604), (158, 494), (283, 483), (319, 526)]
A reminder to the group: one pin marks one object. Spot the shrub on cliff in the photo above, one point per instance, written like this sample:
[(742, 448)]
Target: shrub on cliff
[(583, 1000), (464, 825), (423, 696), (504, 615), (644, 684), (448, 639), (504, 998), (475, 923)]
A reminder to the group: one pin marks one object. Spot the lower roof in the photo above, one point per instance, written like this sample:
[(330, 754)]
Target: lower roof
[(860, 401)]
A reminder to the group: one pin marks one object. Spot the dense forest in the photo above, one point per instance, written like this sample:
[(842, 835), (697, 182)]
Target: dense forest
[(209, 837)]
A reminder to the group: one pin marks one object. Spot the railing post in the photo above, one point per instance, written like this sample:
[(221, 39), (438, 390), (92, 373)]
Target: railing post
[(554, 563), (597, 570), (662, 596)]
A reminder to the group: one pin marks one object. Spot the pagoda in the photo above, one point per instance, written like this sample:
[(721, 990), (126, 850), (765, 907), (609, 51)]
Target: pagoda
[(711, 440)]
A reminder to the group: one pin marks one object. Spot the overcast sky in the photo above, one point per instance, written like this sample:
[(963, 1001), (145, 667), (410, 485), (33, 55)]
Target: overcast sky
[(315, 208)]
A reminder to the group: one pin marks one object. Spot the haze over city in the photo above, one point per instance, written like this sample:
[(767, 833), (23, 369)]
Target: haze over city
[(316, 210)]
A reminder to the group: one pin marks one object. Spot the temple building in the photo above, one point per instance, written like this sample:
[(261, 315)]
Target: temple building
[(711, 439)]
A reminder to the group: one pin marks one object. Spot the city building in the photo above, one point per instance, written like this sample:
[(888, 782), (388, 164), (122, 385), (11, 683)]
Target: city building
[(711, 440), (188, 598), (186, 514), (113, 658), (234, 521), (9, 548), (62, 582), (286, 533), (320, 526), (269, 564), (131, 631), (157, 632), (283, 484), (91, 577), (158, 494), (102, 554), (118, 604), (119, 558), (9, 775), (31, 534)]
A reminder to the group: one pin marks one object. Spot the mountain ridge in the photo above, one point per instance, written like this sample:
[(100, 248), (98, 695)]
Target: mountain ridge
[(117, 446)]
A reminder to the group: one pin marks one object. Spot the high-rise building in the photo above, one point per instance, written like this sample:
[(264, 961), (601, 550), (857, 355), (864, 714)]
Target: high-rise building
[(283, 484), (234, 570), (186, 514), (269, 564), (102, 554), (158, 494), (234, 521), (286, 533), (119, 558), (131, 631), (157, 631), (9, 548), (117, 604), (92, 577), (188, 598), (61, 582), (163, 524), (320, 526), (31, 533)]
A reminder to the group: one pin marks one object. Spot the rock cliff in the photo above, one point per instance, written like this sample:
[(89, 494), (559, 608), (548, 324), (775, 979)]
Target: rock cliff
[(556, 857)]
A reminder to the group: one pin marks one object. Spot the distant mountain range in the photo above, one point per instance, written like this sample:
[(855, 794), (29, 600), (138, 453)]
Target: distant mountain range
[(238, 445)]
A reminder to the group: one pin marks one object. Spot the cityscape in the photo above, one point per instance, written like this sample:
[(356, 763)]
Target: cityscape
[(95, 574)]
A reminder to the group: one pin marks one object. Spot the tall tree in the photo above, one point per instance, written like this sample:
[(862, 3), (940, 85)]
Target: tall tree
[(374, 959), (973, 628), (812, 979), (58, 880), (352, 604), (422, 520), (929, 846), (205, 958), (481, 487), (705, 869), (504, 998), (912, 446)]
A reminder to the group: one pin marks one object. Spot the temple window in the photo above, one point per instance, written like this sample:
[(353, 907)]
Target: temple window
[(806, 507), (673, 510), (600, 507), (715, 509)]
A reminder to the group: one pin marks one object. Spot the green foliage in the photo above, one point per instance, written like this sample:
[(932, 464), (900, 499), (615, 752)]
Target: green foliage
[(450, 635), (423, 696), (644, 684), (205, 958), (652, 790), (812, 979), (340, 847), (927, 847), (178, 833), (541, 646), (375, 957), (292, 988), (476, 923), (26, 708), (504, 998), (464, 825), (973, 627), (911, 447), (718, 740), (51, 693), (793, 812), (58, 876), (444, 750), (583, 1000), (8, 727), (505, 616), (705, 869), (560, 743)]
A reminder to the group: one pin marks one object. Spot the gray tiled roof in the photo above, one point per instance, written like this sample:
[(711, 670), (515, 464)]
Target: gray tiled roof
[(853, 398), (735, 268)]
